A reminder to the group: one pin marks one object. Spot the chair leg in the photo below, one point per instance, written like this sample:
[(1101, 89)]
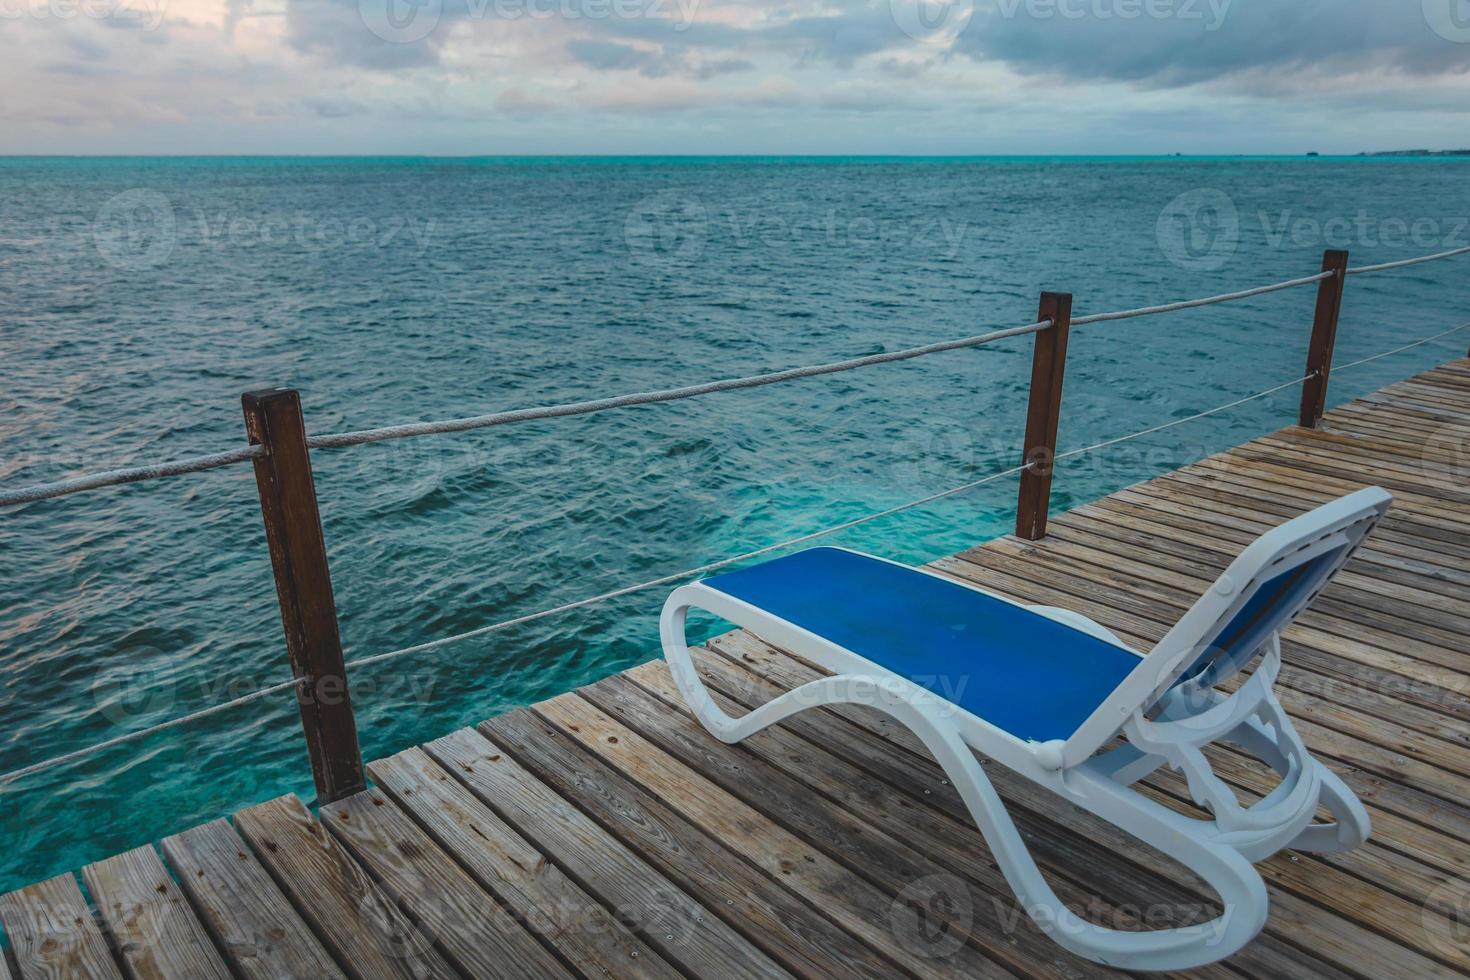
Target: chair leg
[(1241, 890), (1350, 827)]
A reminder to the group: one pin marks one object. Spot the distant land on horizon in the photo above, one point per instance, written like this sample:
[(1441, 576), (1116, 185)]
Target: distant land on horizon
[(1417, 153), (797, 156)]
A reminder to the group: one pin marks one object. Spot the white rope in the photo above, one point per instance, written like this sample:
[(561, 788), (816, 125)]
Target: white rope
[(1190, 304), (677, 576), (687, 573), (61, 488), (134, 474), (1190, 418), (1399, 350), (61, 760), (650, 397), (1405, 263)]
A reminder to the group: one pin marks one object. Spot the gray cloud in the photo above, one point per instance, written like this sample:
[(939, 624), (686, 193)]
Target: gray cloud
[(1206, 40), (723, 66), (611, 56), (337, 30)]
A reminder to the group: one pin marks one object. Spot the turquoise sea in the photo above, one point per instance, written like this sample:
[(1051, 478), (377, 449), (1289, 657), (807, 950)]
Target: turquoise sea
[(140, 297)]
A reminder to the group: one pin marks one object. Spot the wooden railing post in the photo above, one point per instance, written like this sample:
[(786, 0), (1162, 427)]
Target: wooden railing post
[(293, 530), (1324, 337), (1048, 364)]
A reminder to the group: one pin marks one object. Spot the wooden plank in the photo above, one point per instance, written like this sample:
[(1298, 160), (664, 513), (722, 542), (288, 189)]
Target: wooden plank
[(1340, 610), (1369, 692), (527, 881), (448, 907), (242, 909), (681, 929), (1393, 791), (1432, 767), (1295, 917), (776, 824), (791, 931), (52, 933), (1327, 622), (354, 918), (154, 929), (1389, 629), (1429, 849), (1080, 859)]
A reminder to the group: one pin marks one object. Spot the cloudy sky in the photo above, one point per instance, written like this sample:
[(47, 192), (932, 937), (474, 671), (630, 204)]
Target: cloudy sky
[(732, 76)]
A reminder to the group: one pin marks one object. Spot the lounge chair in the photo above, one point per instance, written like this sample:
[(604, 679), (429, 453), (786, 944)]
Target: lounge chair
[(1046, 691)]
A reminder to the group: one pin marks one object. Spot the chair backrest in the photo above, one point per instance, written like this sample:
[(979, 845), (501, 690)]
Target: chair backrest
[(1264, 589)]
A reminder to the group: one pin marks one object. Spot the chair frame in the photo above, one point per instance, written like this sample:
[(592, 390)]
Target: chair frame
[(1164, 722)]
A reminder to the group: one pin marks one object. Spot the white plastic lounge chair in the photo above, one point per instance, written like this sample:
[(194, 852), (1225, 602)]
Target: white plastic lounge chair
[(1044, 690)]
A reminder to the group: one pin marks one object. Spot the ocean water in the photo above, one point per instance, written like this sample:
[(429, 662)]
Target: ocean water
[(140, 297)]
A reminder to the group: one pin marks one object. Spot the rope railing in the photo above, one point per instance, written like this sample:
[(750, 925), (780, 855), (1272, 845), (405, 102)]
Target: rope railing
[(436, 644), (196, 464), (1190, 304), (131, 474), (664, 395), (1364, 270)]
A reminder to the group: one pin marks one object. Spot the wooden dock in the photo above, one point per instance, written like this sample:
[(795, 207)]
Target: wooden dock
[(603, 833)]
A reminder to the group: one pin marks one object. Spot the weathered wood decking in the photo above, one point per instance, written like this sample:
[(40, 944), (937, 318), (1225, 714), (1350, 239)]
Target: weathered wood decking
[(603, 833)]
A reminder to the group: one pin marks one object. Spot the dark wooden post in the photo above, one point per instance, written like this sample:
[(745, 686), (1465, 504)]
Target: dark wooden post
[(1048, 364), (293, 529), (1324, 337)]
